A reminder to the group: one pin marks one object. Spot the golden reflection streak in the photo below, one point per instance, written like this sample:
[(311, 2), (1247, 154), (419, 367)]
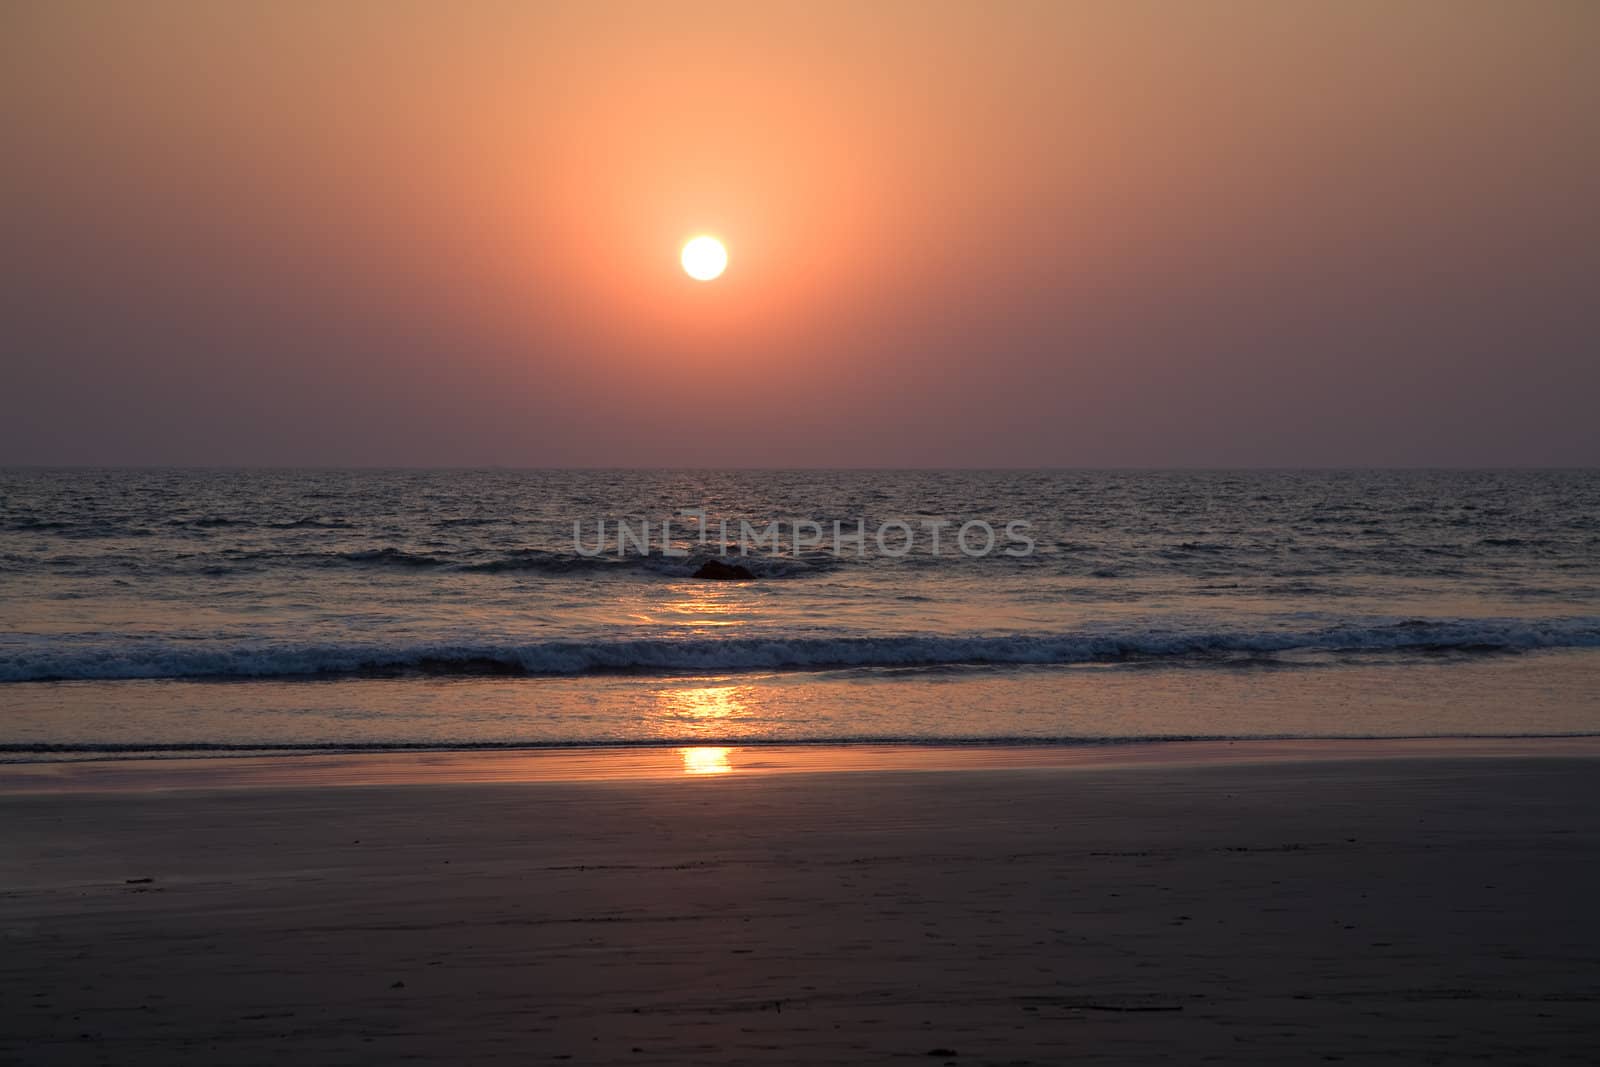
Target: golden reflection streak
[(705, 702), (706, 760), (704, 705), (705, 608)]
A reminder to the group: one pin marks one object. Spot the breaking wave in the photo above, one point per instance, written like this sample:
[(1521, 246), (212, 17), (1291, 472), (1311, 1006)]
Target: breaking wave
[(36, 660)]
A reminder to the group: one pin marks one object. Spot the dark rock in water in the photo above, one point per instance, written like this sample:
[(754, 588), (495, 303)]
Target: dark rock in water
[(726, 572)]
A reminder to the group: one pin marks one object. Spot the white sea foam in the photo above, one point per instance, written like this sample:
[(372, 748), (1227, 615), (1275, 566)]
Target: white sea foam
[(37, 659)]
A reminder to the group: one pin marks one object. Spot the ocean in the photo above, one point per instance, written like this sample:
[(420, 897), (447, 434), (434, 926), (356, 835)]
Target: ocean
[(164, 612)]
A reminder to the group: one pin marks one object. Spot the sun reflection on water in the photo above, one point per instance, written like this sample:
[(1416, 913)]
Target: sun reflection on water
[(712, 710), (704, 709), (703, 703), (705, 609), (706, 760)]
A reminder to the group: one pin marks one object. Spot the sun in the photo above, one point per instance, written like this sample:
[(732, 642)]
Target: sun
[(704, 259)]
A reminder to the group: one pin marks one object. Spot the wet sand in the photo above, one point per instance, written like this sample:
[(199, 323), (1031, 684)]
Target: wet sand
[(1283, 902)]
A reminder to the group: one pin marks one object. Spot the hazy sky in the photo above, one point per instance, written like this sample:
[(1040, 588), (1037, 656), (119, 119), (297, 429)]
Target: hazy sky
[(1080, 234)]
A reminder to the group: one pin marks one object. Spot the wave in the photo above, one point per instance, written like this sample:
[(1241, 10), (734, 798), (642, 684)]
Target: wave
[(312, 522), (542, 562), (383, 557), (236, 659), (530, 561)]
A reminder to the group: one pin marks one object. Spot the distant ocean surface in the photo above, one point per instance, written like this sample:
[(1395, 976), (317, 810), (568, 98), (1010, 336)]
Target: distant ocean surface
[(184, 611)]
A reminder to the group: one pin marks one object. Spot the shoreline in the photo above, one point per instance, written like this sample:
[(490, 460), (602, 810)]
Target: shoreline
[(115, 773), (1254, 902)]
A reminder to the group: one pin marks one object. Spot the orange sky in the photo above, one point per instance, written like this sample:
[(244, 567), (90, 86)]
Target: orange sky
[(961, 233)]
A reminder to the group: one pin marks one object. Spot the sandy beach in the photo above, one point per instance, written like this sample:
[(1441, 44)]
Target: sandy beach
[(1419, 901)]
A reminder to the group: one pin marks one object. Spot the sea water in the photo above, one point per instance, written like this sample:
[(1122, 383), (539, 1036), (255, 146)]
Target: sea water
[(168, 611)]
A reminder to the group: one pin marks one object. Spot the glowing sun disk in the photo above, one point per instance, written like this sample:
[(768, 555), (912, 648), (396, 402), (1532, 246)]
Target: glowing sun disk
[(704, 258)]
